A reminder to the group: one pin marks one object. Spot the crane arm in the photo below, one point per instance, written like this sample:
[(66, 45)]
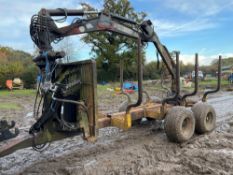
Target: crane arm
[(44, 31)]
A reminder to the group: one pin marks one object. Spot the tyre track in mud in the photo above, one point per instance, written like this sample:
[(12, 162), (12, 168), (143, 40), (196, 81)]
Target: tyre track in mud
[(143, 149), (223, 106)]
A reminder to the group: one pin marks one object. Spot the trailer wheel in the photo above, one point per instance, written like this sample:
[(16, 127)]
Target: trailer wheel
[(205, 117), (179, 124)]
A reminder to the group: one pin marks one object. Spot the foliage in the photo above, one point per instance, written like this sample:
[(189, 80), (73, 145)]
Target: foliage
[(109, 48), (151, 71), (16, 64), (186, 68), (29, 76), (213, 67), (225, 62), (206, 69)]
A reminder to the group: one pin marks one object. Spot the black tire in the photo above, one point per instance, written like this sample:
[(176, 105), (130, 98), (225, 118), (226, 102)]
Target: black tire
[(205, 117), (179, 124)]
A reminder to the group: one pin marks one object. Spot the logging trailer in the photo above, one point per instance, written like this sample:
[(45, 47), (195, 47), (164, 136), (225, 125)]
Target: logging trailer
[(69, 90)]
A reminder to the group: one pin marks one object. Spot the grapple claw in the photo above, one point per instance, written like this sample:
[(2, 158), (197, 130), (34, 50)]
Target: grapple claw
[(6, 131)]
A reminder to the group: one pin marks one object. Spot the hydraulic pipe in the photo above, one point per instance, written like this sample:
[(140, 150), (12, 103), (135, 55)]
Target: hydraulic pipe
[(175, 97), (81, 12), (162, 51), (121, 18), (65, 12)]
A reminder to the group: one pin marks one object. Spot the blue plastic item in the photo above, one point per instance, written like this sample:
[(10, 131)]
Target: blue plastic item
[(130, 85)]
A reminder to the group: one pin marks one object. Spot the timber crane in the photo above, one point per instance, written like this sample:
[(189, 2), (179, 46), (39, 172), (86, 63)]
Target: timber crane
[(69, 89)]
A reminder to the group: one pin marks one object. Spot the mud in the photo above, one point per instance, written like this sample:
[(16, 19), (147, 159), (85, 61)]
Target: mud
[(144, 149), (23, 114)]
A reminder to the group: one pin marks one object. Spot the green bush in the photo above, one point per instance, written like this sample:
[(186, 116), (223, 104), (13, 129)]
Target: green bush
[(29, 77), (16, 64)]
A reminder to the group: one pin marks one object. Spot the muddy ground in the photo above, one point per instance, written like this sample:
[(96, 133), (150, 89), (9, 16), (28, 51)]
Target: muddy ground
[(144, 149)]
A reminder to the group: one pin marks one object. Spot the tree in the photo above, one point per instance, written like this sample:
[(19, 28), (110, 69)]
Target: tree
[(16, 64), (29, 76), (151, 71), (186, 68), (109, 48), (67, 46)]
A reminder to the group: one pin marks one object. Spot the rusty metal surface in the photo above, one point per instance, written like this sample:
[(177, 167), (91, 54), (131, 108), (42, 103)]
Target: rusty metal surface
[(169, 63), (219, 80), (28, 140), (195, 82), (122, 81), (150, 110), (88, 94), (140, 76), (88, 77), (102, 22), (54, 128), (103, 122), (86, 71), (175, 99), (22, 141)]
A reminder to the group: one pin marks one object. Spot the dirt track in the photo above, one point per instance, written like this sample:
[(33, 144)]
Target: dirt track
[(144, 149)]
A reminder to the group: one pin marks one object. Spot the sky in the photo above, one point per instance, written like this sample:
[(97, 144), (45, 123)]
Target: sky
[(190, 26)]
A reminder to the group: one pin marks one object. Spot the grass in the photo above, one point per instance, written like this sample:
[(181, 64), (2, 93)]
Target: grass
[(102, 88), (9, 106), (213, 82), (24, 92)]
